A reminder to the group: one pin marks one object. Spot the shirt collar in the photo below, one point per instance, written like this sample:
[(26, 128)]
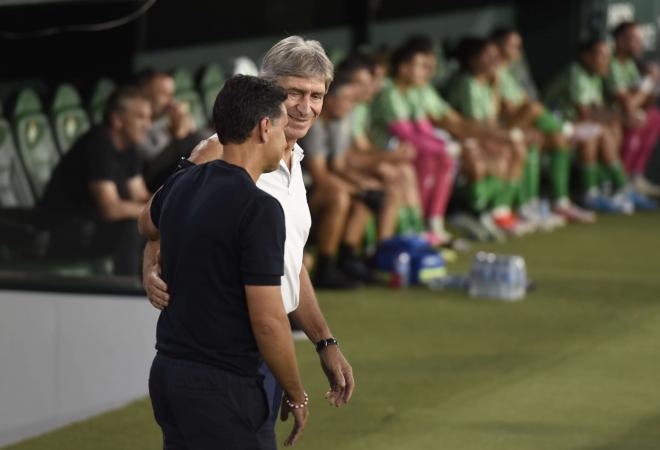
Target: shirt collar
[(298, 152)]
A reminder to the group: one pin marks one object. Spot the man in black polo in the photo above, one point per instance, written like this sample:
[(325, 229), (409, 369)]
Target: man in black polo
[(222, 253), (97, 192)]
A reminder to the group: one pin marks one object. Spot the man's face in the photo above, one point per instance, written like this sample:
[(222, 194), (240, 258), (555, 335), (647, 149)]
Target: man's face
[(415, 71), (342, 101), (160, 91), (276, 145), (135, 120), (512, 47), (303, 104), (598, 60), (487, 62), (430, 66), (380, 73), (634, 42), (364, 85)]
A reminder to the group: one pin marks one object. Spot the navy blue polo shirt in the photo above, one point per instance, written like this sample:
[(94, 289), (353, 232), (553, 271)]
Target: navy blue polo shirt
[(219, 232)]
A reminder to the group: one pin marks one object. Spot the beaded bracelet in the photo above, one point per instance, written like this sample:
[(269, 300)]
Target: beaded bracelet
[(292, 405)]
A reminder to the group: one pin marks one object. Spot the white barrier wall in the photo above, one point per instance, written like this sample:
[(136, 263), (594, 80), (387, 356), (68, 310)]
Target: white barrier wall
[(65, 357)]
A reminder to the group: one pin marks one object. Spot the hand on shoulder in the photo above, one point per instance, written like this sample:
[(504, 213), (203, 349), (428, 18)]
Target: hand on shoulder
[(208, 150)]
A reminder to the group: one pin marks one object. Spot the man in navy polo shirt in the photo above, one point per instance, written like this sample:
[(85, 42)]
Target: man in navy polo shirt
[(222, 255)]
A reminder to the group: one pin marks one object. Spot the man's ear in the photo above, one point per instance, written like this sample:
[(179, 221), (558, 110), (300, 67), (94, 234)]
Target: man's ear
[(265, 129)]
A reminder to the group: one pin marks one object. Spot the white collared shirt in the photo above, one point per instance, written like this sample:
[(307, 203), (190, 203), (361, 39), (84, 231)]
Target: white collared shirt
[(289, 189)]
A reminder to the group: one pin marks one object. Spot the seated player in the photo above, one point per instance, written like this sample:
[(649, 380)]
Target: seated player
[(479, 148), (522, 111), (578, 95), (340, 195), (635, 96), (393, 168), (394, 115), (475, 97), (97, 192)]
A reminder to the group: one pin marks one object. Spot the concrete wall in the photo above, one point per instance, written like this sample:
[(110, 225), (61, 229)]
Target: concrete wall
[(65, 357)]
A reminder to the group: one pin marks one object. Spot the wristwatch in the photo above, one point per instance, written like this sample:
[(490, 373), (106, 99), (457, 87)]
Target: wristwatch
[(323, 343)]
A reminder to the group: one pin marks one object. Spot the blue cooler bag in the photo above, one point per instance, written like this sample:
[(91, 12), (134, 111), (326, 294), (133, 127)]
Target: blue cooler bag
[(426, 264)]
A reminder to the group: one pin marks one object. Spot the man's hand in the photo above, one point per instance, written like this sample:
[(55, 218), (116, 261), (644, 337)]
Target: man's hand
[(154, 285), (340, 375), (300, 417)]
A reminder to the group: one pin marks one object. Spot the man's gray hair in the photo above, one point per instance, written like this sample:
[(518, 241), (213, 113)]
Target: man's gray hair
[(297, 57)]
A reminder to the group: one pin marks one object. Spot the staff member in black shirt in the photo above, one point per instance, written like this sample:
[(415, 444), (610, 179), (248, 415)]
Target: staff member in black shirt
[(222, 254), (97, 192)]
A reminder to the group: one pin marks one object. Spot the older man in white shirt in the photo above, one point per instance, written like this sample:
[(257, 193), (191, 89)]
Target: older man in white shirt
[(302, 68)]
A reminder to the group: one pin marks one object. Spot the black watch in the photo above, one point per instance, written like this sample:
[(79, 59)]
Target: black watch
[(323, 343)]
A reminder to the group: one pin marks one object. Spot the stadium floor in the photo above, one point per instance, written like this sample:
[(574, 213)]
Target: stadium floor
[(574, 366)]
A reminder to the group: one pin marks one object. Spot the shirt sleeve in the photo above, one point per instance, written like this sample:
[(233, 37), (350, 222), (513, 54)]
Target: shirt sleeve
[(359, 120), (262, 235), (159, 198), (393, 107), (99, 161), (581, 88), (436, 106), (135, 167), (157, 206), (470, 101)]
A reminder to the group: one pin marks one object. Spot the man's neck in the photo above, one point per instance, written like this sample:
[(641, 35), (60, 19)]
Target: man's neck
[(288, 155), (243, 155), (621, 55), (402, 85)]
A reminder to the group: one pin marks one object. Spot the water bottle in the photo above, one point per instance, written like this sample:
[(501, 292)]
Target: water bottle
[(476, 288), (516, 279), (401, 275), (490, 276), (520, 278)]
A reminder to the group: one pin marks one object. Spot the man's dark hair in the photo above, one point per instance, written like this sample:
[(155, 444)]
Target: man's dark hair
[(590, 44), (499, 34), (422, 43), (116, 103), (467, 49), (408, 50), (341, 80), (622, 28), (355, 62), (242, 103), (145, 76)]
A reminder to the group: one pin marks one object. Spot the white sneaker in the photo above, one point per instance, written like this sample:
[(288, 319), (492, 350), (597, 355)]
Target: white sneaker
[(622, 201), (486, 220), (645, 187)]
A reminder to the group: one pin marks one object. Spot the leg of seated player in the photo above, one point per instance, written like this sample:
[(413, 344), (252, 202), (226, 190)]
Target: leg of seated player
[(412, 203), (348, 260), (560, 168), (330, 205), (393, 183), (648, 141)]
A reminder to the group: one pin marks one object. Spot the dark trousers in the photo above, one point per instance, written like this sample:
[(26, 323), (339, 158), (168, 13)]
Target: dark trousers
[(200, 407), (273, 391)]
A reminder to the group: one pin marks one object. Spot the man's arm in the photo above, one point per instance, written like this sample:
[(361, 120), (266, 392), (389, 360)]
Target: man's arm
[(153, 284), (273, 335), (110, 205), (309, 317), (137, 189)]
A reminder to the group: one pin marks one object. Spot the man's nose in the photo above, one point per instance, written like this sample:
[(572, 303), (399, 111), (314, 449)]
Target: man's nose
[(304, 106)]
